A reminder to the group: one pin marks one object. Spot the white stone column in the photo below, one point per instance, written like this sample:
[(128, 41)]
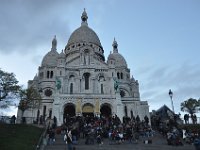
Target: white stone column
[(119, 110), (93, 84), (56, 108)]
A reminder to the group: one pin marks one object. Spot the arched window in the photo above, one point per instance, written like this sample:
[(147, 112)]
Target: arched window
[(71, 77), (38, 115), (47, 74), (48, 92), (41, 75), (71, 88), (102, 89), (101, 78), (132, 114), (71, 85), (50, 113), (125, 110), (121, 75), (51, 74), (44, 112), (122, 93), (118, 75), (86, 75)]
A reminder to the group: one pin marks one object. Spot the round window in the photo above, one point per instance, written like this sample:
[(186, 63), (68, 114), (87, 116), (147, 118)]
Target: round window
[(48, 92), (122, 93)]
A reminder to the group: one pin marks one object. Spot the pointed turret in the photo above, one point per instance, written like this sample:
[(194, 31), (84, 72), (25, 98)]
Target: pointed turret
[(115, 45), (62, 54), (116, 56), (50, 59), (54, 44), (84, 18), (132, 78)]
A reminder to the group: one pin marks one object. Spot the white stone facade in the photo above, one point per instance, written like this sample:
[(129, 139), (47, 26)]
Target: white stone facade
[(86, 81)]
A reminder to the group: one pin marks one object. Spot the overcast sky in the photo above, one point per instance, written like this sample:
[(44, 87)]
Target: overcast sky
[(160, 40)]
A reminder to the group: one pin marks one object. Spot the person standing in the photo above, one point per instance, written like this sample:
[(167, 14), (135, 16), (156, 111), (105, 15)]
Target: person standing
[(51, 137), (13, 118), (68, 139)]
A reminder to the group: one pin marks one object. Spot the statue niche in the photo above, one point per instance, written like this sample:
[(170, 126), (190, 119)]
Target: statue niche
[(86, 57)]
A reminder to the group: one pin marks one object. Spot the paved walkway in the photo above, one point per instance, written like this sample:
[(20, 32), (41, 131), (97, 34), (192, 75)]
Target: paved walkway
[(158, 143)]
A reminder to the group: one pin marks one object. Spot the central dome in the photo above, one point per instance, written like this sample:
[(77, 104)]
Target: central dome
[(84, 34)]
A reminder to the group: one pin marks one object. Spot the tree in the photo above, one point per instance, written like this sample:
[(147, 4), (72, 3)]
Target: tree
[(29, 98), (9, 88), (191, 106)]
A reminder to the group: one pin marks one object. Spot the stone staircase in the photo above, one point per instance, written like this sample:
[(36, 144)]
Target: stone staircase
[(59, 144), (158, 143)]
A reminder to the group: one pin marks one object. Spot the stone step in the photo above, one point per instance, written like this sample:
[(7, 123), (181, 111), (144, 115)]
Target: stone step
[(159, 142)]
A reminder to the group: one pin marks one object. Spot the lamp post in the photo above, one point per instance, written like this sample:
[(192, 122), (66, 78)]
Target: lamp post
[(171, 95)]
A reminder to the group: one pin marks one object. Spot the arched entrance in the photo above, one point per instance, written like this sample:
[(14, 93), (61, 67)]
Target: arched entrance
[(88, 110), (69, 110), (105, 110)]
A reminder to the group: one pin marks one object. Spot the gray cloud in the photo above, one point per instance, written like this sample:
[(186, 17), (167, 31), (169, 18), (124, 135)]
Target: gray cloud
[(26, 25), (182, 75), (182, 79)]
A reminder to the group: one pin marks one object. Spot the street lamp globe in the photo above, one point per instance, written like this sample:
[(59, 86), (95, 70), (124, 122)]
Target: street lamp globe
[(171, 95)]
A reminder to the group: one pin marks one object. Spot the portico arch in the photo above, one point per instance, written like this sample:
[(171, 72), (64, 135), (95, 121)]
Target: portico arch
[(106, 110), (88, 109), (69, 110)]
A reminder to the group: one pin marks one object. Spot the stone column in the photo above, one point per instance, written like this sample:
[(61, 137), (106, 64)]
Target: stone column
[(119, 110), (93, 85), (78, 107), (97, 108), (56, 108)]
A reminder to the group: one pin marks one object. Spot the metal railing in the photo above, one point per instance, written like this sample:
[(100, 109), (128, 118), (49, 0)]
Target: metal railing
[(190, 120), (42, 140), (5, 119)]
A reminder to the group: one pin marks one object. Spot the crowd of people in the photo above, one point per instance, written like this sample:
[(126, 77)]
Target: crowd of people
[(94, 130), (175, 133), (193, 118)]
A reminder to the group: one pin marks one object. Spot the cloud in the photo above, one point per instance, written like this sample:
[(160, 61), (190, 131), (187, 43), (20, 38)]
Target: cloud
[(27, 25), (175, 76), (9, 111), (182, 79)]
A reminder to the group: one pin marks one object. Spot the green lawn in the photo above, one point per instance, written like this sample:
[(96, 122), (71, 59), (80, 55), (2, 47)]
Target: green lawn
[(19, 137)]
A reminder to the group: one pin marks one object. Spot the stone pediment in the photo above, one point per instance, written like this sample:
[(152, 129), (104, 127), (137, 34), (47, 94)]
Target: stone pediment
[(75, 61), (100, 64)]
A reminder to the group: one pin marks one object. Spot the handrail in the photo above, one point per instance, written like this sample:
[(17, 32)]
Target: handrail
[(40, 144)]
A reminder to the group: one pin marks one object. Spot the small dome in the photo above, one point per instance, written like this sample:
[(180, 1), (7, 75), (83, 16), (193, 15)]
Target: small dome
[(116, 57), (62, 55), (50, 59)]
